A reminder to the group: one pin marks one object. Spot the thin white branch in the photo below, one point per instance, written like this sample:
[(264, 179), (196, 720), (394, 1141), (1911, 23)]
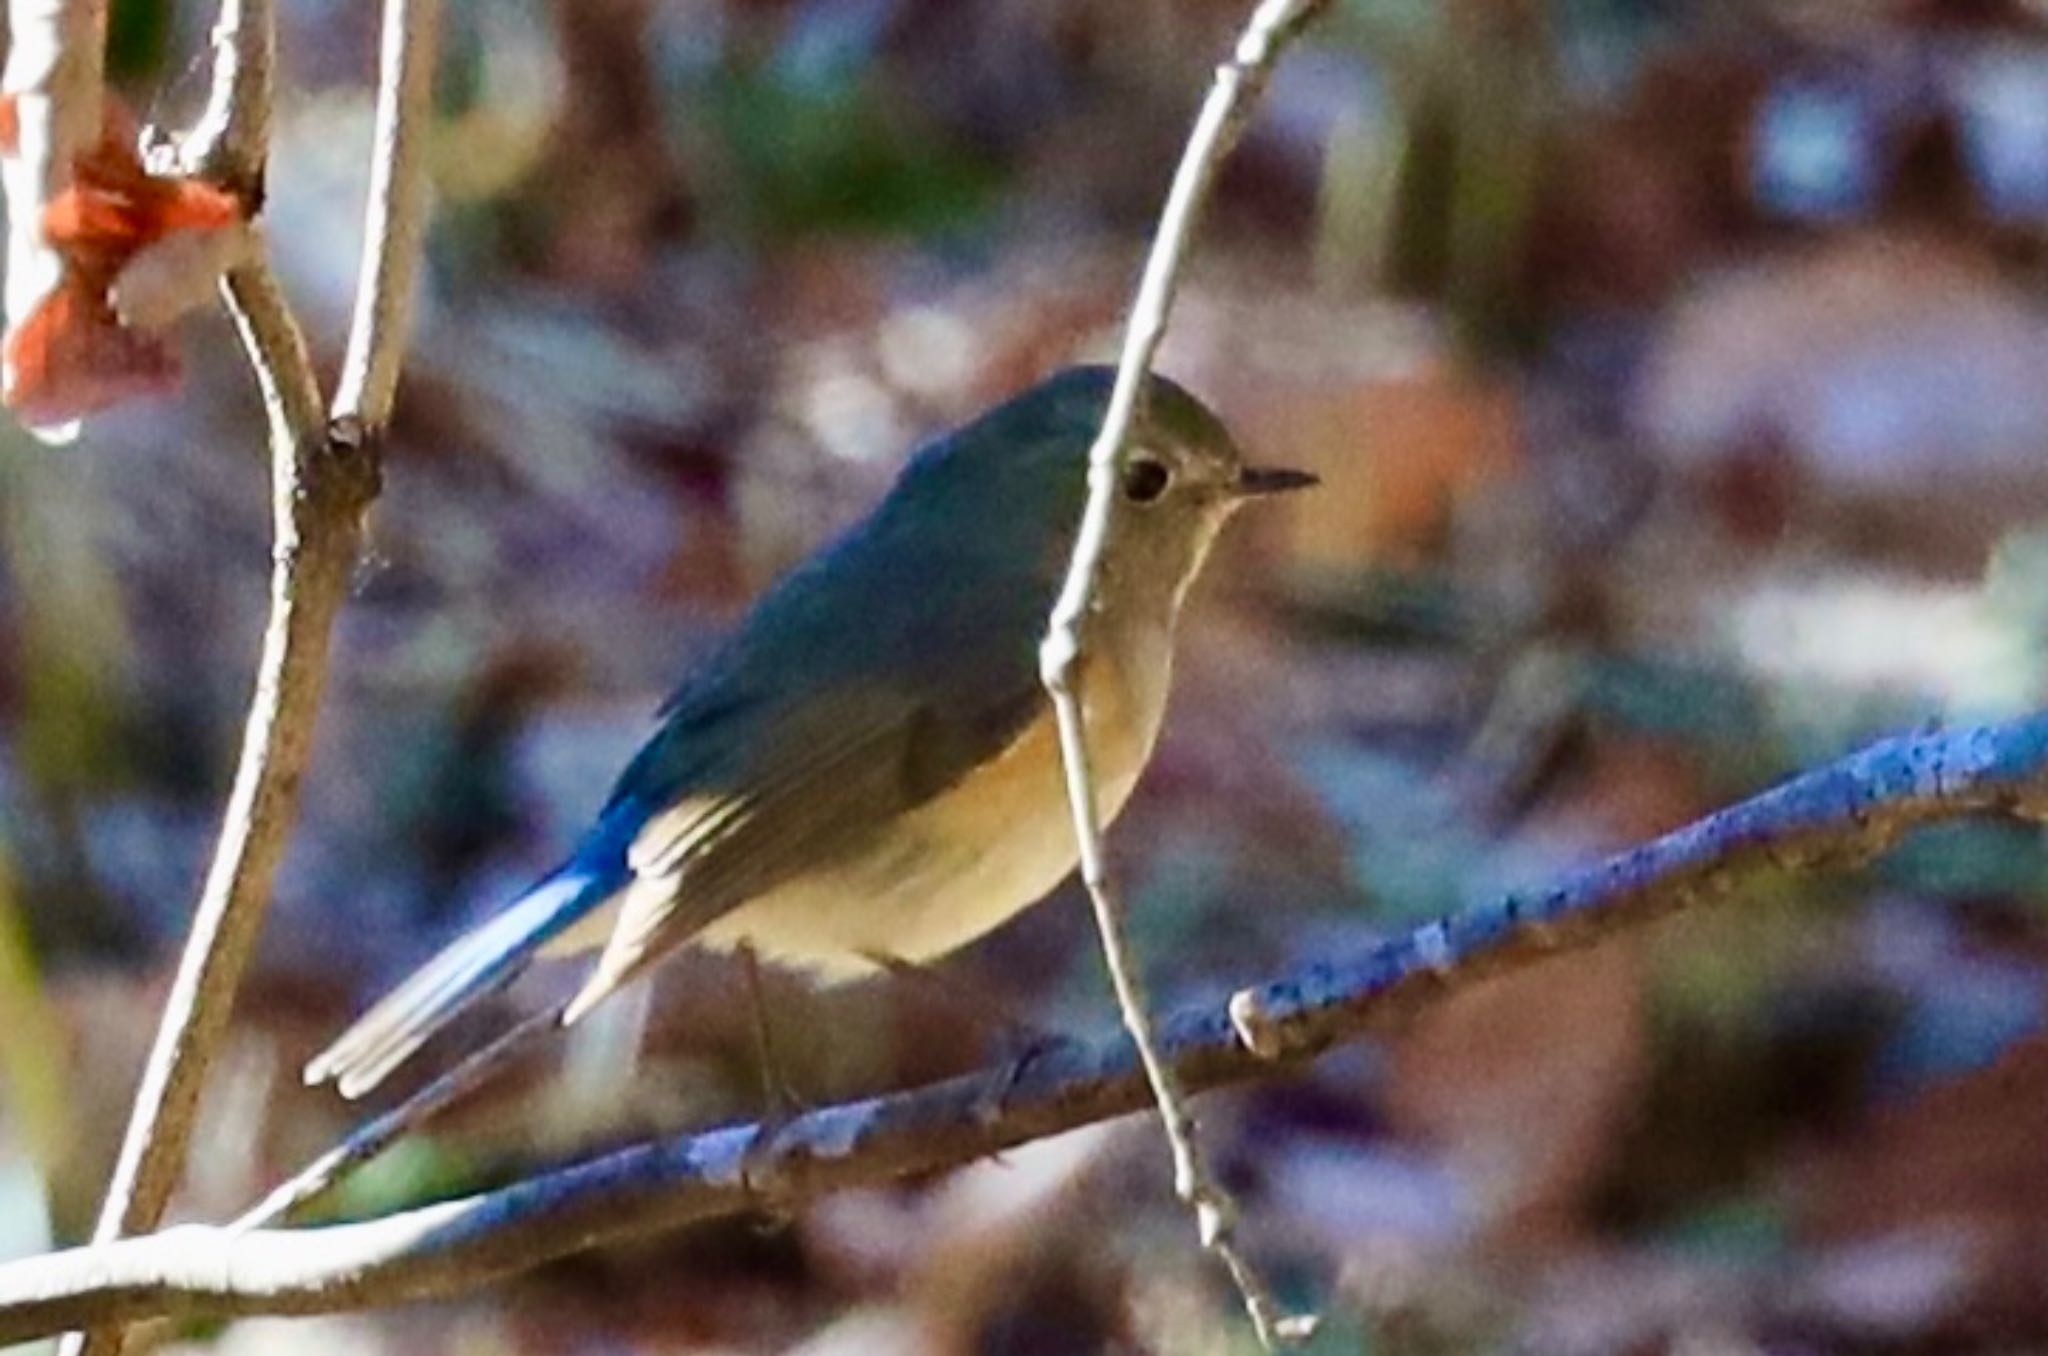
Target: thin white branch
[(229, 141), (394, 219), (1273, 25)]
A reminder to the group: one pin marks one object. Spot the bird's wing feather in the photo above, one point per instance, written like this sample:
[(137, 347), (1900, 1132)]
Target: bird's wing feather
[(812, 789), (809, 785), (870, 679), (476, 964)]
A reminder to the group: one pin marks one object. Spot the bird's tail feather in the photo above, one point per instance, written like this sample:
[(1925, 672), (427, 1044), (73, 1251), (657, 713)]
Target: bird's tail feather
[(474, 965)]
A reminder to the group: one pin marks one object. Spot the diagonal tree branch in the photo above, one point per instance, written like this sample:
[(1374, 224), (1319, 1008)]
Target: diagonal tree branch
[(1232, 96), (323, 480), (1834, 816)]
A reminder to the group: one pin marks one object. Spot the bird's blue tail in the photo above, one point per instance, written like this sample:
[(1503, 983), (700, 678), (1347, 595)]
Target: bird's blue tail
[(474, 965)]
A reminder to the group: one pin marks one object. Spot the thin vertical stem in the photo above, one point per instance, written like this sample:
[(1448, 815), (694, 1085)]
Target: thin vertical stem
[(1224, 112), (394, 217)]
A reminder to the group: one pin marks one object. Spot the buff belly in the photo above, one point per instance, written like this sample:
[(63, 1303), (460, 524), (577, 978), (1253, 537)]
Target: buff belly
[(947, 872)]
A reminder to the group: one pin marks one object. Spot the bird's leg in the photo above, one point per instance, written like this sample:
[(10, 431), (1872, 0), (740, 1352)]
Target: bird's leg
[(783, 1105)]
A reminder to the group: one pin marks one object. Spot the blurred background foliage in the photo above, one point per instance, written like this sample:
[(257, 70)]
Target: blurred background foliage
[(1678, 373)]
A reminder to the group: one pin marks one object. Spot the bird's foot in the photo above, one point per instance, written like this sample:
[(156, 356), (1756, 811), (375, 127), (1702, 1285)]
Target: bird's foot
[(1025, 1046)]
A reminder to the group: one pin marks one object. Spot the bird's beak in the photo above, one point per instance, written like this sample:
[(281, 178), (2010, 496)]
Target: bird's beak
[(1257, 481)]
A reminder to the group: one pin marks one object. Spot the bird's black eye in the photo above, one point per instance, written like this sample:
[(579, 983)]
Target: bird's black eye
[(1145, 479)]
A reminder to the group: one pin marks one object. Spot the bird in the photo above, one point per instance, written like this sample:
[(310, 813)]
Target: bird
[(865, 772)]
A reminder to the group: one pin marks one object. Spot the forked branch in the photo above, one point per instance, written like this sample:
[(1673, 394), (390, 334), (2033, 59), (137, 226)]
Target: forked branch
[(322, 482)]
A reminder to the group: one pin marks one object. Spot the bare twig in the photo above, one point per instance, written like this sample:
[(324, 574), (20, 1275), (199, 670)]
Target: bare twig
[(319, 493), (229, 142), (394, 218), (1224, 112), (1837, 815), (277, 351), (321, 486)]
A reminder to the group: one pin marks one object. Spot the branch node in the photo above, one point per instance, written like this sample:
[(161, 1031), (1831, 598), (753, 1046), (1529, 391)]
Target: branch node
[(1059, 655), (347, 433), (1215, 1217), (1255, 1026), (355, 459), (1294, 1329), (1432, 943)]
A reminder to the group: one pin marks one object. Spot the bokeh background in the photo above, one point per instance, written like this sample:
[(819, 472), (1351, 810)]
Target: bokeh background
[(1678, 374)]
